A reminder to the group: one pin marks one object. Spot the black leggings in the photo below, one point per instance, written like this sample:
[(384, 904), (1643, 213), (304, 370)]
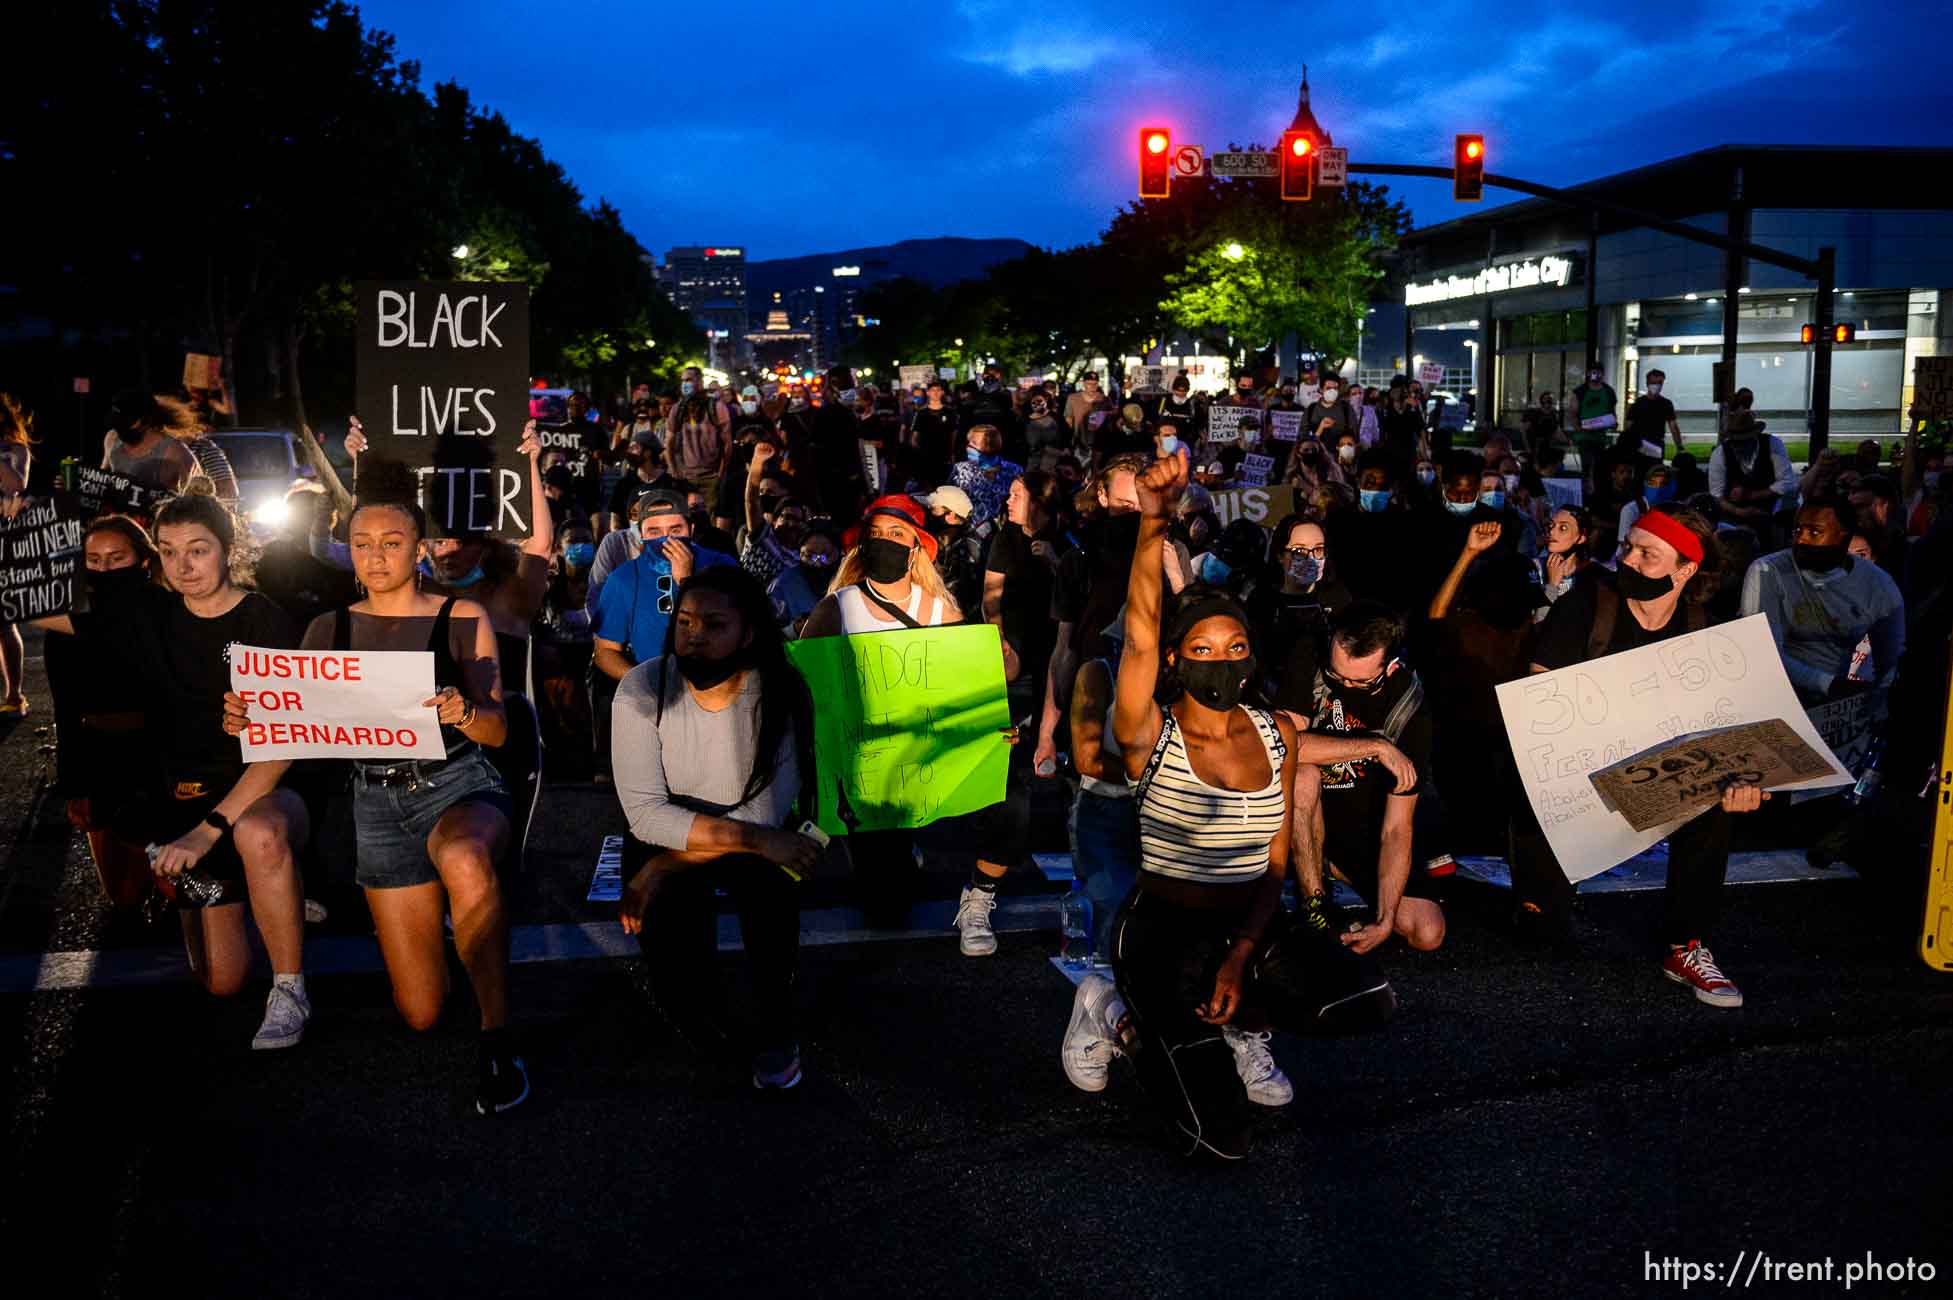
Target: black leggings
[(680, 942), (1300, 980)]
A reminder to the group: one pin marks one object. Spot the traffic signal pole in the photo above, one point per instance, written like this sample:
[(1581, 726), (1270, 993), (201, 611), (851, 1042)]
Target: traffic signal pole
[(1823, 270)]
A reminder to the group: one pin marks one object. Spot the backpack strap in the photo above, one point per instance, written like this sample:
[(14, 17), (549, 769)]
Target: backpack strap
[(1404, 709), (1607, 610)]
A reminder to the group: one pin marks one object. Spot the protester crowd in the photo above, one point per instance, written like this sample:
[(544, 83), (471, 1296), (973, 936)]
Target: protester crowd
[(1259, 635)]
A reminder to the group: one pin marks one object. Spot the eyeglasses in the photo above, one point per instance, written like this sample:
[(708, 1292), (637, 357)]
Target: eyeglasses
[(1309, 552), (1367, 684)]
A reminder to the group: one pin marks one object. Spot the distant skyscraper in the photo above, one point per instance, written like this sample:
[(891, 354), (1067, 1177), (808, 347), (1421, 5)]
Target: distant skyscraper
[(708, 283)]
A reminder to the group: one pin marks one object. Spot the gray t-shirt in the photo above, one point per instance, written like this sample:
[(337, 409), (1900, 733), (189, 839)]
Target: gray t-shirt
[(713, 757)]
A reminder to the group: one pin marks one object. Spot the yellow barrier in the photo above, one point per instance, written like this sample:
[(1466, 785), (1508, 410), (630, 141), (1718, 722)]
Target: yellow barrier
[(1936, 934)]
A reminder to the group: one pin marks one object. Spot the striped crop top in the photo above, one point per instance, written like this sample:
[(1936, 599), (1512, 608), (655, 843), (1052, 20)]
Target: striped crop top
[(1190, 830)]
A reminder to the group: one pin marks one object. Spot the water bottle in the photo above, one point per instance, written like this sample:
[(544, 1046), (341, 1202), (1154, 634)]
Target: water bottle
[(1075, 926), (1867, 787)]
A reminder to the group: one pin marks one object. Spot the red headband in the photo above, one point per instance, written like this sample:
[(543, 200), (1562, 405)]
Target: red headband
[(1674, 532)]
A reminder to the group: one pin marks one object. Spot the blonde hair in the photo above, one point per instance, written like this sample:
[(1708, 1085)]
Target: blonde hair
[(16, 421), (922, 572)]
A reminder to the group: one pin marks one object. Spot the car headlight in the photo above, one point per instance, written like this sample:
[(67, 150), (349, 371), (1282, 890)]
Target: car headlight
[(271, 512)]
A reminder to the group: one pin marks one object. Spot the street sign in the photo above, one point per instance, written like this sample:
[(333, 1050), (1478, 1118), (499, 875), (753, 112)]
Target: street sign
[(1332, 167), (1187, 160), (1245, 164)]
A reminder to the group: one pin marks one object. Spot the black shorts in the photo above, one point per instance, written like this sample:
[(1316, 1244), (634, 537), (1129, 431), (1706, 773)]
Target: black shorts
[(158, 817), (1355, 858)]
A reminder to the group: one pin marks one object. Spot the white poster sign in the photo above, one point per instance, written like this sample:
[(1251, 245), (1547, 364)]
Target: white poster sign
[(1565, 492), (916, 376), (1431, 374), (1224, 422), (1255, 470), (871, 464), (1285, 426), (336, 704), (1568, 723)]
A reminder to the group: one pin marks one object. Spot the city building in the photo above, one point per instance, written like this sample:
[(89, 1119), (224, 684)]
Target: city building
[(1500, 297), (708, 282), (779, 345)]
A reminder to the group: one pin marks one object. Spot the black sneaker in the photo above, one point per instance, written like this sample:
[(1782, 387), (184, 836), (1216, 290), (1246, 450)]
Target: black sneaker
[(503, 1081), (776, 1071)]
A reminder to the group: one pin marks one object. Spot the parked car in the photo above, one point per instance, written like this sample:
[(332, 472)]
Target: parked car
[(266, 463)]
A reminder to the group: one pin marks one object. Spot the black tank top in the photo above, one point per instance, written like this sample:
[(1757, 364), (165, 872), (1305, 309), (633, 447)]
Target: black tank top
[(447, 669)]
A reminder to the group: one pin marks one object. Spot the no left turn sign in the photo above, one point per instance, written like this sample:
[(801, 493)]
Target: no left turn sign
[(1188, 161)]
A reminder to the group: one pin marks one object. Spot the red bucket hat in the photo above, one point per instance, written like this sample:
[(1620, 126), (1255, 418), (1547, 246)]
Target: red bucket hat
[(905, 508)]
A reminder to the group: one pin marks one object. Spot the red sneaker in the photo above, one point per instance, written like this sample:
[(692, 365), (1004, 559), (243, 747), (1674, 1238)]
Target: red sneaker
[(1696, 967)]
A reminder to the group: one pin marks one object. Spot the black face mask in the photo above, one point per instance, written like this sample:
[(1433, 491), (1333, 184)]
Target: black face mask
[(704, 673), (1817, 559), (1121, 535), (1216, 683), (116, 583), (819, 576), (884, 560), (1634, 585)]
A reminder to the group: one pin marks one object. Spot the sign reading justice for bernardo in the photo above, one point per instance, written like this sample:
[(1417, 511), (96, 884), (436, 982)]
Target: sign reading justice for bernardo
[(443, 387)]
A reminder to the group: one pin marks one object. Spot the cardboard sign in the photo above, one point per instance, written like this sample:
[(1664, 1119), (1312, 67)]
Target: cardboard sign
[(1285, 426), (916, 376), (1932, 386), (336, 704), (1266, 506), (40, 561), (910, 725), (105, 492), (443, 387), (1673, 781), (202, 371), (1848, 726), (1147, 377), (1574, 721), (1255, 469), (1225, 423)]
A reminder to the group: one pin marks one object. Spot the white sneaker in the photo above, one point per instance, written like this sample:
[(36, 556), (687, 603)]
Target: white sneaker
[(973, 910), (285, 1014), (1264, 1080), (1091, 1040)]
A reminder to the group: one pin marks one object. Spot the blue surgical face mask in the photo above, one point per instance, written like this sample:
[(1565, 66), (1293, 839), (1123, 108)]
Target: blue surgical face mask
[(580, 555), (1169, 445), (1460, 507), (977, 456), (1214, 569), (1373, 499), (1660, 495), (468, 579), (687, 388), (748, 406), (1305, 569), (1494, 499), (654, 554), (1427, 477)]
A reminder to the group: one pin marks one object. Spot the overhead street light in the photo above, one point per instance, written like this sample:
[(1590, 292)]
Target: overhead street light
[(1234, 252)]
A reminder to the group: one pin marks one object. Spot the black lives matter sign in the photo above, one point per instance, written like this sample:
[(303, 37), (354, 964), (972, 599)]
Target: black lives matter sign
[(443, 387)]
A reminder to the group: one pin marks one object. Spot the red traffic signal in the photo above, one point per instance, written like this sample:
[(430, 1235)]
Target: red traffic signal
[(1840, 333), (1298, 165), (1468, 169), (1155, 162)]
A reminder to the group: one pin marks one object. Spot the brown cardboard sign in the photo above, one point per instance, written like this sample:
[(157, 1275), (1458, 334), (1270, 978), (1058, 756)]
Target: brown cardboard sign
[(1669, 781)]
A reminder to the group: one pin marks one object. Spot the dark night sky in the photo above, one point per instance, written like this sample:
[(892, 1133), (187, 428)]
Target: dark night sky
[(793, 128)]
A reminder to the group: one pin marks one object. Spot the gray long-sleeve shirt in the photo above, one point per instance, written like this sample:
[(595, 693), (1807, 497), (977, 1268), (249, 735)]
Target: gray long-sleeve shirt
[(1818, 619), (711, 757)]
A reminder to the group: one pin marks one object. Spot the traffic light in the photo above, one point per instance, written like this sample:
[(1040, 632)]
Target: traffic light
[(1298, 165), (1468, 169), (1155, 162), (1840, 333)]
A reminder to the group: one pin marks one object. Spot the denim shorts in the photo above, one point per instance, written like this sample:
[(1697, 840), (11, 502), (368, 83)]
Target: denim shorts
[(392, 822)]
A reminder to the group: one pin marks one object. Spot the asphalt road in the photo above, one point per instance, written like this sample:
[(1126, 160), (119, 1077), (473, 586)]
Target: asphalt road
[(1534, 1123)]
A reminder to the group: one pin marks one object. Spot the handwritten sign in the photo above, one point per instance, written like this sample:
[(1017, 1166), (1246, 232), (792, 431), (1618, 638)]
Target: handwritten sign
[(910, 725), (1932, 386), (1231, 423), (1574, 721), (443, 387), (40, 561), (1266, 506), (1285, 426), (1430, 374), (1563, 492), (1256, 468), (336, 704), (1686, 776), (105, 492), (916, 376)]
